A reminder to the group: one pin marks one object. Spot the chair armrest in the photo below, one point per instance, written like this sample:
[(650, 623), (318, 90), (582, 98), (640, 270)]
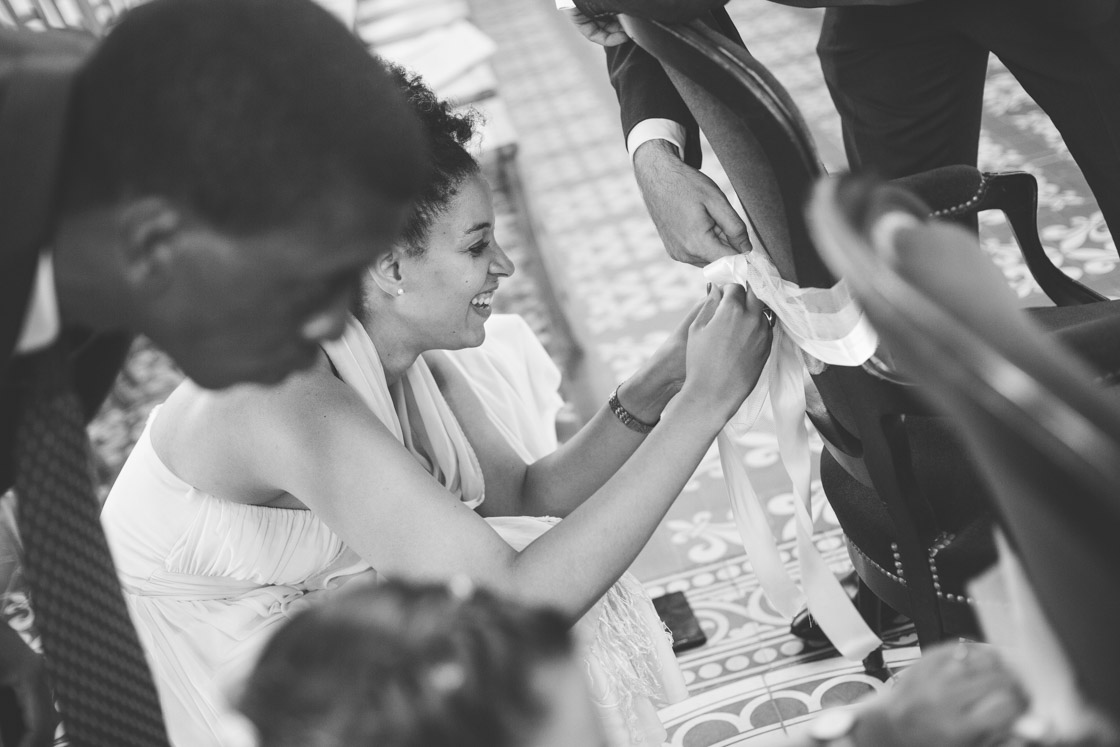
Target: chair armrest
[(958, 192), (1016, 194)]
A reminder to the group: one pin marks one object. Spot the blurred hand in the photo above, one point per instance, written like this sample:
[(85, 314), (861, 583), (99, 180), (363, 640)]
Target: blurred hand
[(956, 695), (693, 217), (22, 670), (728, 344), (605, 30), (667, 11)]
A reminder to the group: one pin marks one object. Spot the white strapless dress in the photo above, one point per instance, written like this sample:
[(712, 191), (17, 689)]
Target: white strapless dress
[(207, 582)]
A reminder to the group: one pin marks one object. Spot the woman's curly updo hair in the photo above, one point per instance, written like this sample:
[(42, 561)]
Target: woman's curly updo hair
[(447, 134), (405, 665)]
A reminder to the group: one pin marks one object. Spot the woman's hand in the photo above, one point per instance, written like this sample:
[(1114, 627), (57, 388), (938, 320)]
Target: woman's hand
[(646, 393), (957, 695), (728, 343)]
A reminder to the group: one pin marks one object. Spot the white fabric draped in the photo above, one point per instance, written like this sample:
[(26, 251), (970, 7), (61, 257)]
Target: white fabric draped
[(455, 464), (828, 326)]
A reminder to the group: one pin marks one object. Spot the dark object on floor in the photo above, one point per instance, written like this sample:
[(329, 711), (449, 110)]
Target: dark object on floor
[(675, 611), (803, 626)]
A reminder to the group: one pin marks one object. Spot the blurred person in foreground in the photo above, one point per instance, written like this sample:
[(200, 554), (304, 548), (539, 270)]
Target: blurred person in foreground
[(396, 665), (399, 665), (214, 174), (394, 453)]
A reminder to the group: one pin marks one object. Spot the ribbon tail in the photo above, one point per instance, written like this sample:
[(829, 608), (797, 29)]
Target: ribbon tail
[(754, 527), (827, 600)]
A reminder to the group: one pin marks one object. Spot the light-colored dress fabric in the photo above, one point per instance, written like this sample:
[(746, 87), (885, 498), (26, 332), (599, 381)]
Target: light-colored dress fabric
[(208, 580)]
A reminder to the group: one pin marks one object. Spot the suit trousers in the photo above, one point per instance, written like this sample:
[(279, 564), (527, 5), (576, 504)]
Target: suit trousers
[(908, 82)]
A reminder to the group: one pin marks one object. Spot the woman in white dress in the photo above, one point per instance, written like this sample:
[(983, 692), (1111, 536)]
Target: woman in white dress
[(237, 506)]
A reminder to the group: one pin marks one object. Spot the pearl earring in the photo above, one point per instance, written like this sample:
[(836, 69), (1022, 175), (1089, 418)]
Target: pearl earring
[(400, 291)]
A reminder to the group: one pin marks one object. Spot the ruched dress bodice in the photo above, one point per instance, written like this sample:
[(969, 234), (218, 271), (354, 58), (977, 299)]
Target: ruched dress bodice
[(207, 579)]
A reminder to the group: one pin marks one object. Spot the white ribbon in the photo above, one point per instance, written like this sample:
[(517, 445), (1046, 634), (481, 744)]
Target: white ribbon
[(826, 324)]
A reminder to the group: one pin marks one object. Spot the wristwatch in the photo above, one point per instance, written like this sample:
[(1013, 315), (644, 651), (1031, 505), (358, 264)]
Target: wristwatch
[(833, 727)]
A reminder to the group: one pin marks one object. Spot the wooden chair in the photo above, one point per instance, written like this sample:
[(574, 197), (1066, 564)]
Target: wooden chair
[(907, 498), (1041, 432)]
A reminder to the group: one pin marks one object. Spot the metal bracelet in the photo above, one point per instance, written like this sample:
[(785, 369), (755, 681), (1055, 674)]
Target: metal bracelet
[(624, 416)]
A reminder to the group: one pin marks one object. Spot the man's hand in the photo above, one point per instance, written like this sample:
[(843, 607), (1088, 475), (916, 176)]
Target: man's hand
[(605, 30), (956, 694), (667, 11), (22, 670), (693, 217)]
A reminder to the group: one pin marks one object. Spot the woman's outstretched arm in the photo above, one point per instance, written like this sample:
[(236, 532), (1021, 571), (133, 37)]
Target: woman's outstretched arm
[(558, 482), (312, 438)]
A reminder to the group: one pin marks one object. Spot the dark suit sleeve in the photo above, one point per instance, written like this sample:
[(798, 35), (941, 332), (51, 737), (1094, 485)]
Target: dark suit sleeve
[(645, 92)]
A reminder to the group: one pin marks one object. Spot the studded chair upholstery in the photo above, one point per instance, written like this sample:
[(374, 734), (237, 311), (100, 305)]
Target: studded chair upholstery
[(1042, 433), (912, 508)]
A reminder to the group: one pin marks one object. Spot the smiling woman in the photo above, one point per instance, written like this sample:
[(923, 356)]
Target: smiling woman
[(394, 454), (441, 296)]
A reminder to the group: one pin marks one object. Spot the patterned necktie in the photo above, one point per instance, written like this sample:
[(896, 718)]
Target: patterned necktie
[(101, 680)]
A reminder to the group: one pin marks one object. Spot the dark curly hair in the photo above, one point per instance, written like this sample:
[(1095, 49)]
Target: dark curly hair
[(446, 133), (405, 665)]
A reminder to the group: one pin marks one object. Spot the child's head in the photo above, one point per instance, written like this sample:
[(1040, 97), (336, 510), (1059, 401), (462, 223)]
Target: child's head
[(401, 665)]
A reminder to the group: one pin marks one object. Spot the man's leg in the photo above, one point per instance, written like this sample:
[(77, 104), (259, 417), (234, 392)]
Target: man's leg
[(908, 86), (1072, 73)]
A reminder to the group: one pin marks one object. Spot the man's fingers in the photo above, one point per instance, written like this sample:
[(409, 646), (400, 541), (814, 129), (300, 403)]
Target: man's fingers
[(730, 224), (606, 31), (705, 249)]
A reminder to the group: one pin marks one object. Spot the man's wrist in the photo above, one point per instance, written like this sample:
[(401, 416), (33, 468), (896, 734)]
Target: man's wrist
[(655, 150), (656, 129)]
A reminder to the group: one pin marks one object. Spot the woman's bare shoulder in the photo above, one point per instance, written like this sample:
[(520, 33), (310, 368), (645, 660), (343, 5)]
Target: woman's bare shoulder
[(197, 428)]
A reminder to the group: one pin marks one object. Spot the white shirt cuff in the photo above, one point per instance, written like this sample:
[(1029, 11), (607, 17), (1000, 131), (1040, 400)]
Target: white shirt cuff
[(41, 324), (656, 129), (565, 5)]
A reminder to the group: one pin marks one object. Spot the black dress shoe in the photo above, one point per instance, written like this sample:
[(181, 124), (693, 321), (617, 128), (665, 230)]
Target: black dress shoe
[(667, 11), (804, 627)]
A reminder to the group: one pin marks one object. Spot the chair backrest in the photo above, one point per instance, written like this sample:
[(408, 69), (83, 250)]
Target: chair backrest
[(769, 155), (1042, 436)]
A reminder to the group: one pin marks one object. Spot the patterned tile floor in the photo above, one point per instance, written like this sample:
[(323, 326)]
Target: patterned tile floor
[(752, 682)]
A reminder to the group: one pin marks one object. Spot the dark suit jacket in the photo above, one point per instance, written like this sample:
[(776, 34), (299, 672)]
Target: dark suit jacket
[(36, 71), (645, 91)]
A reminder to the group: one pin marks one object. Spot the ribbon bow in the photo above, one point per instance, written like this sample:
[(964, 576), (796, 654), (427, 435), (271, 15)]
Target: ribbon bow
[(827, 325)]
